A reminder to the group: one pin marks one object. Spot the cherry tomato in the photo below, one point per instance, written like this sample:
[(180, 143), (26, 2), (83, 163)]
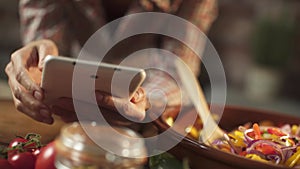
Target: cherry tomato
[(5, 164), (17, 141), (19, 145), (46, 158), (13, 144), (36, 152), (24, 160)]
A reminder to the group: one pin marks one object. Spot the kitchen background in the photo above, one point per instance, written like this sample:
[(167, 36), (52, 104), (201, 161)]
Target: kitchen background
[(258, 42)]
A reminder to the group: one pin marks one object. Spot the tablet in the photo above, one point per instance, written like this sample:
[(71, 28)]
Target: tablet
[(79, 79)]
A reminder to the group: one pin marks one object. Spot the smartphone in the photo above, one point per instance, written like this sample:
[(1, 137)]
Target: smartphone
[(79, 79)]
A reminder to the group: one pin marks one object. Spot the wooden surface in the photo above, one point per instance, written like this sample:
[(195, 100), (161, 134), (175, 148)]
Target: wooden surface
[(14, 123)]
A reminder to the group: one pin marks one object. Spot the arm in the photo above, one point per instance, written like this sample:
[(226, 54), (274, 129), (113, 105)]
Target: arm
[(25, 67), (44, 20), (24, 76), (201, 13)]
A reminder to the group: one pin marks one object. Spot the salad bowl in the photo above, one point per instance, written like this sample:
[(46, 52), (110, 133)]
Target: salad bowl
[(200, 155)]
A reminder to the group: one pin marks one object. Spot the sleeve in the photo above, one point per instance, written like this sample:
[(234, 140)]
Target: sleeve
[(44, 20), (201, 13)]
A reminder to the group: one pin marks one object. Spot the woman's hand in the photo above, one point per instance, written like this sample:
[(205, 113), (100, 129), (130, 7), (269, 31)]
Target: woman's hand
[(133, 109), (24, 73)]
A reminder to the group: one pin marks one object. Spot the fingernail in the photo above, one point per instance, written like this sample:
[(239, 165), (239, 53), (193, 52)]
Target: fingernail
[(37, 95), (135, 97), (45, 113)]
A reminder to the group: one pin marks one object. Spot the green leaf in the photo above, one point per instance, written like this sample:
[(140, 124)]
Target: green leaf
[(166, 161)]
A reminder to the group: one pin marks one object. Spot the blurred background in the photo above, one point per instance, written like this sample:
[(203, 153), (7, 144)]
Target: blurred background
[(258, 42)]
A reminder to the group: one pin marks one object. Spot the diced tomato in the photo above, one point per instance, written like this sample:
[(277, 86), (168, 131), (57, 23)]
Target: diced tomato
[(275, 131)]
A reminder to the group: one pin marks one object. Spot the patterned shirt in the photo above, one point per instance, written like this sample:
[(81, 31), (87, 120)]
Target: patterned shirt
[(69, 23)]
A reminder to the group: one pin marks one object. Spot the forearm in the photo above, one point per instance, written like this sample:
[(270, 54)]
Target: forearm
[(201, 14), (44, 20)]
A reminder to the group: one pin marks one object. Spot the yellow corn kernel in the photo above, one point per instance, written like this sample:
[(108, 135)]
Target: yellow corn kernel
[(170, 121), (236, 140), (294, 129), (255, 157), (192, 131), (239, 134)]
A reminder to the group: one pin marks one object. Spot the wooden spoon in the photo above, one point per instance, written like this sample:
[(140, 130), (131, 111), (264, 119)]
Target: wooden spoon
[(211, 130)]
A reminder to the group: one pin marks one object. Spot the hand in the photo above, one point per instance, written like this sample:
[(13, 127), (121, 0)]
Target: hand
[(24, 72), (134, 108)]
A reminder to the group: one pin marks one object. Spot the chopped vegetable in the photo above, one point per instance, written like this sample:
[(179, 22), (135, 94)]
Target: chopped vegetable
[(191, 130), (170, 121), (255, 157), (26, 153), (256, 131), (293, 159), (167, 161), (270, 144)]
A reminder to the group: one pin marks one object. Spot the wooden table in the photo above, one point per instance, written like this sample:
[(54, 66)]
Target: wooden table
[(14, 123)]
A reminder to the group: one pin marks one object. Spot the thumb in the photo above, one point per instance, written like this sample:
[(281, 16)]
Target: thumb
[(46, 47), (139, 95)]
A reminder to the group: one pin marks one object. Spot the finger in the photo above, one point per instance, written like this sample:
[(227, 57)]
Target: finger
[(21, 74), (33, 114), (23, 78), (140, 99), (65, 115), (16, 90), (139, 95), (121, 105), (129, 109), (28, 105), (105, 101), (31, 56), (42, 115), (25, 96), (47, 47)]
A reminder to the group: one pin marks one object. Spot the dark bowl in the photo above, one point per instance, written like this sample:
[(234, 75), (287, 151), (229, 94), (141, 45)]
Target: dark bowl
[(202, 156)]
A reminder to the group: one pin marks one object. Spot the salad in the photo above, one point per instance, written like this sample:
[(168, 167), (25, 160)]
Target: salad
[(277, 145)]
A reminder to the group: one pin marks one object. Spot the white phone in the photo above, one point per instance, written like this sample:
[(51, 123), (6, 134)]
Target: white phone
[(61, 74)]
